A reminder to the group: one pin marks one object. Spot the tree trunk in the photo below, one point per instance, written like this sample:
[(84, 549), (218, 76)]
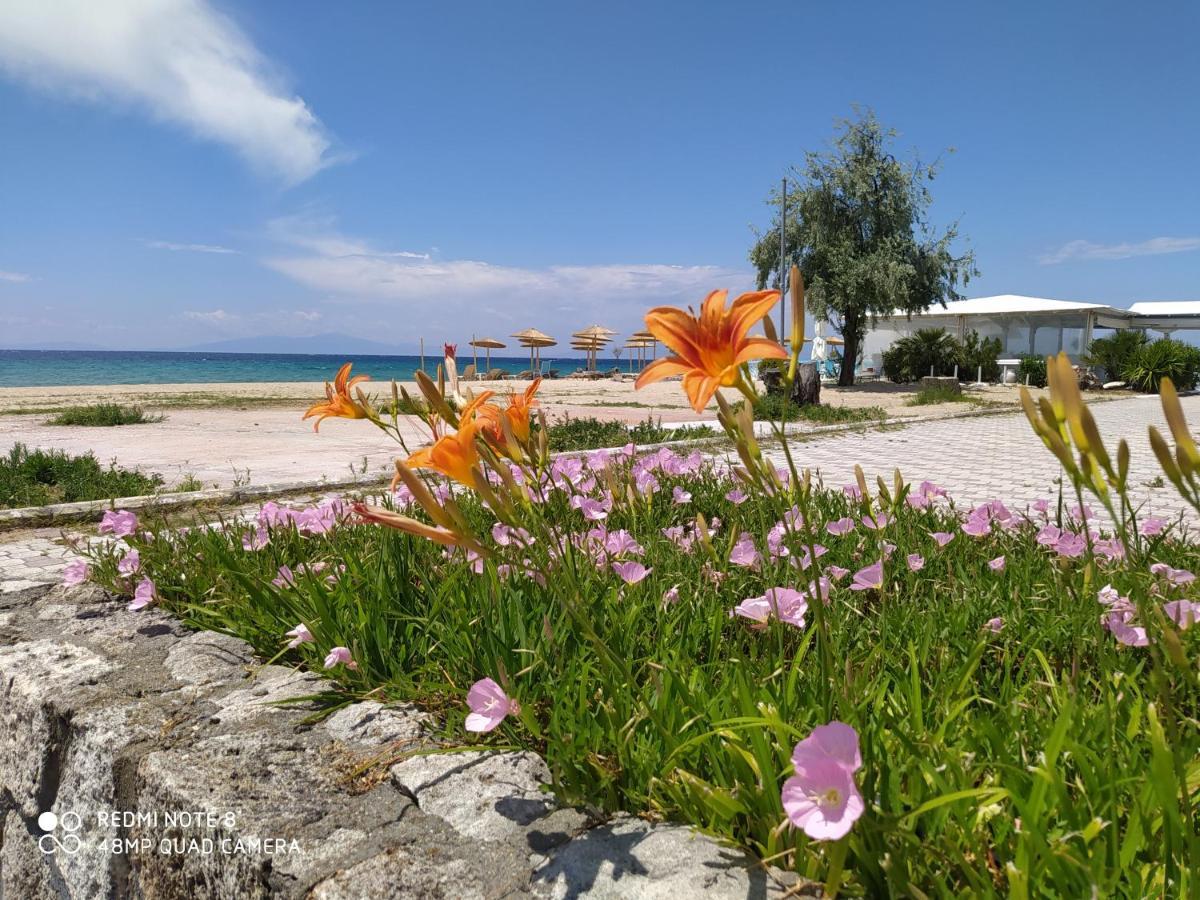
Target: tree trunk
[(806, 389), (849, 355)]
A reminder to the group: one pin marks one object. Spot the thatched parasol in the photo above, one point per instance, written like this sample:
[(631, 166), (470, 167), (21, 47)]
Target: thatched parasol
[(591, 340), (489, 344)]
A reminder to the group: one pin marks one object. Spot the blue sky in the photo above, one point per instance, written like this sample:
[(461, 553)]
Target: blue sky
[(180, 171)]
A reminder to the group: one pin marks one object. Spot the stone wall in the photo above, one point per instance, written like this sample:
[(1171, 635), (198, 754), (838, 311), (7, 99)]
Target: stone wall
[(174, 772)]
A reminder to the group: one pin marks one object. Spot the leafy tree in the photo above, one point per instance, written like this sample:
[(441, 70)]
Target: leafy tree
[(857, 228)]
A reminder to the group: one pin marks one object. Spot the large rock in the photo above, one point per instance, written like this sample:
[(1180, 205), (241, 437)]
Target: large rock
[(175, 771)]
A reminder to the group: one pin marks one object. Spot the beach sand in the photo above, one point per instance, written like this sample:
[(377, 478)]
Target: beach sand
[(228, 434)]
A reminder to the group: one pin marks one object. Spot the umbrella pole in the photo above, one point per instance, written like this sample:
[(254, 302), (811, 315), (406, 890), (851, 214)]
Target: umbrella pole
[(422, 354), (476, 349)]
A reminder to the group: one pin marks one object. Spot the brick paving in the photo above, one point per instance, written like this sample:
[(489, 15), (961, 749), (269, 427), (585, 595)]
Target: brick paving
[(975, 459)]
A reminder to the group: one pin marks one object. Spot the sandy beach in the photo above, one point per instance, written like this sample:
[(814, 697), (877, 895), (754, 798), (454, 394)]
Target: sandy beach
[(227, 434)]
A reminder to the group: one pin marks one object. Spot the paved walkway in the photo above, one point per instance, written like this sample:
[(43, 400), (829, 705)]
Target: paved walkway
[(988, 457), (976, 459)]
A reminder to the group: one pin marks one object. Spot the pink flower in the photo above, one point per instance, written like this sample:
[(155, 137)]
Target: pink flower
[(679, 496), (917, 501), (592, 509), (489, 705), (129, 563), (869, 578), (340, 656), (256, 539), (143, 596), (1184, 613), (1108, 595), (1070, 545), (880, 521), (943, 537), (744, 552), (837, 573), (916, 562), (75, 573), (785, 604), (621, 543), (995, 626), (299, 635), (822, 798), (1177, 577), (285, 578), (997, 564), (1119, 623), (1152, 527), (670, 596), (737, 497), (806, 558), (977, 526), (852, 491), (120, 523), (840, 527), (1048, 536), (631, 572)]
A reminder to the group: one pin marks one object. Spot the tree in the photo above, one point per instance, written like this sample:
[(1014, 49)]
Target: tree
[(857, 228)]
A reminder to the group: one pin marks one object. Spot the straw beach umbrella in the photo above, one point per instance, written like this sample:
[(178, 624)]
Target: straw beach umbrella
[(592, 339), (534, 340), (488, 344)]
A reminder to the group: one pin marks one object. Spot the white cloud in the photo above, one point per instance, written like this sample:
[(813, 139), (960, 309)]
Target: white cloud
[(1086, 250), (194, 248), (212, 317), (449, 294), (15, 277), (182, 60), (307, 315)]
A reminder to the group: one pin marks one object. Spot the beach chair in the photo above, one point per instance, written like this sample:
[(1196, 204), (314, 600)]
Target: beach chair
[(496, 375), (469, 373)]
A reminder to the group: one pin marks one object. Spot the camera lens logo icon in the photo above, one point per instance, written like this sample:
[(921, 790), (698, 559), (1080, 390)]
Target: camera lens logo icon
[(60, 833)]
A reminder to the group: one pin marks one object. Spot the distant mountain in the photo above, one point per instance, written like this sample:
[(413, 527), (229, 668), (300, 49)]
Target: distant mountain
[(320, 343), (53, 345)]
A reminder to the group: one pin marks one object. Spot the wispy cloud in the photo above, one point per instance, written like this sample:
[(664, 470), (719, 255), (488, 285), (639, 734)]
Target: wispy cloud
[(212, 317), (181, 60), (15, 277), (1086, 250), (440, 293), (194, 248)]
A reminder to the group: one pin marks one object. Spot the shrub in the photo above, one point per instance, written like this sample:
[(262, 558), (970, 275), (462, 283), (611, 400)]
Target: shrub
[(1114, 353), (104, 414), (979, 356), (1034, 367), (1166, 358), (38, 477), (774, 386), (912, 356)]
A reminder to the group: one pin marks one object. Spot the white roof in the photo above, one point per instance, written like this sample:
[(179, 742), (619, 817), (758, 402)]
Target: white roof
[(1011, 303), (1166, 308)]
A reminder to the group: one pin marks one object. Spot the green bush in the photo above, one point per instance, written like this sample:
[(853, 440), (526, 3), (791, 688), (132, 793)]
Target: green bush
[(931, 396), (979, 355), (1034, 367), (911, 357), (104, 414), (38, 477), (1166, 358), (1114, 353)]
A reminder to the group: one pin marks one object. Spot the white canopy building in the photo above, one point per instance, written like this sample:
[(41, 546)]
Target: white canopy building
[(1030, 325)]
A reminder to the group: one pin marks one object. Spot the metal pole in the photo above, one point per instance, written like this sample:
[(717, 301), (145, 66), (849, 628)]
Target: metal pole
[(782, 263)]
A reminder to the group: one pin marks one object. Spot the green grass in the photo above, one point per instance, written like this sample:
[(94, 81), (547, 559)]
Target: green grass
[(931, 396), (588, 433), (1034, 762), (38, 477), (104, 414), (775, 407)]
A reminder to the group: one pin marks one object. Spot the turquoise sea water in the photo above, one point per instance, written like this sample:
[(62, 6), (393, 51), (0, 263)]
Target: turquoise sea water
[(30, 368)]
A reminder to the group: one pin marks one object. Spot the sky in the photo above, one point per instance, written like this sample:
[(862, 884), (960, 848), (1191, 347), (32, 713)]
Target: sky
[(175, 172)]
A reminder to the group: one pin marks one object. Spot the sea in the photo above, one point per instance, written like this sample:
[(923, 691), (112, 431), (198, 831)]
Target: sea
[(46, 368)]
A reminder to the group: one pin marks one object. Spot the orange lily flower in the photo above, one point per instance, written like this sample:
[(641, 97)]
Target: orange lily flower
[(453, 455), (520, 407), (710, 348), (339, 403)]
